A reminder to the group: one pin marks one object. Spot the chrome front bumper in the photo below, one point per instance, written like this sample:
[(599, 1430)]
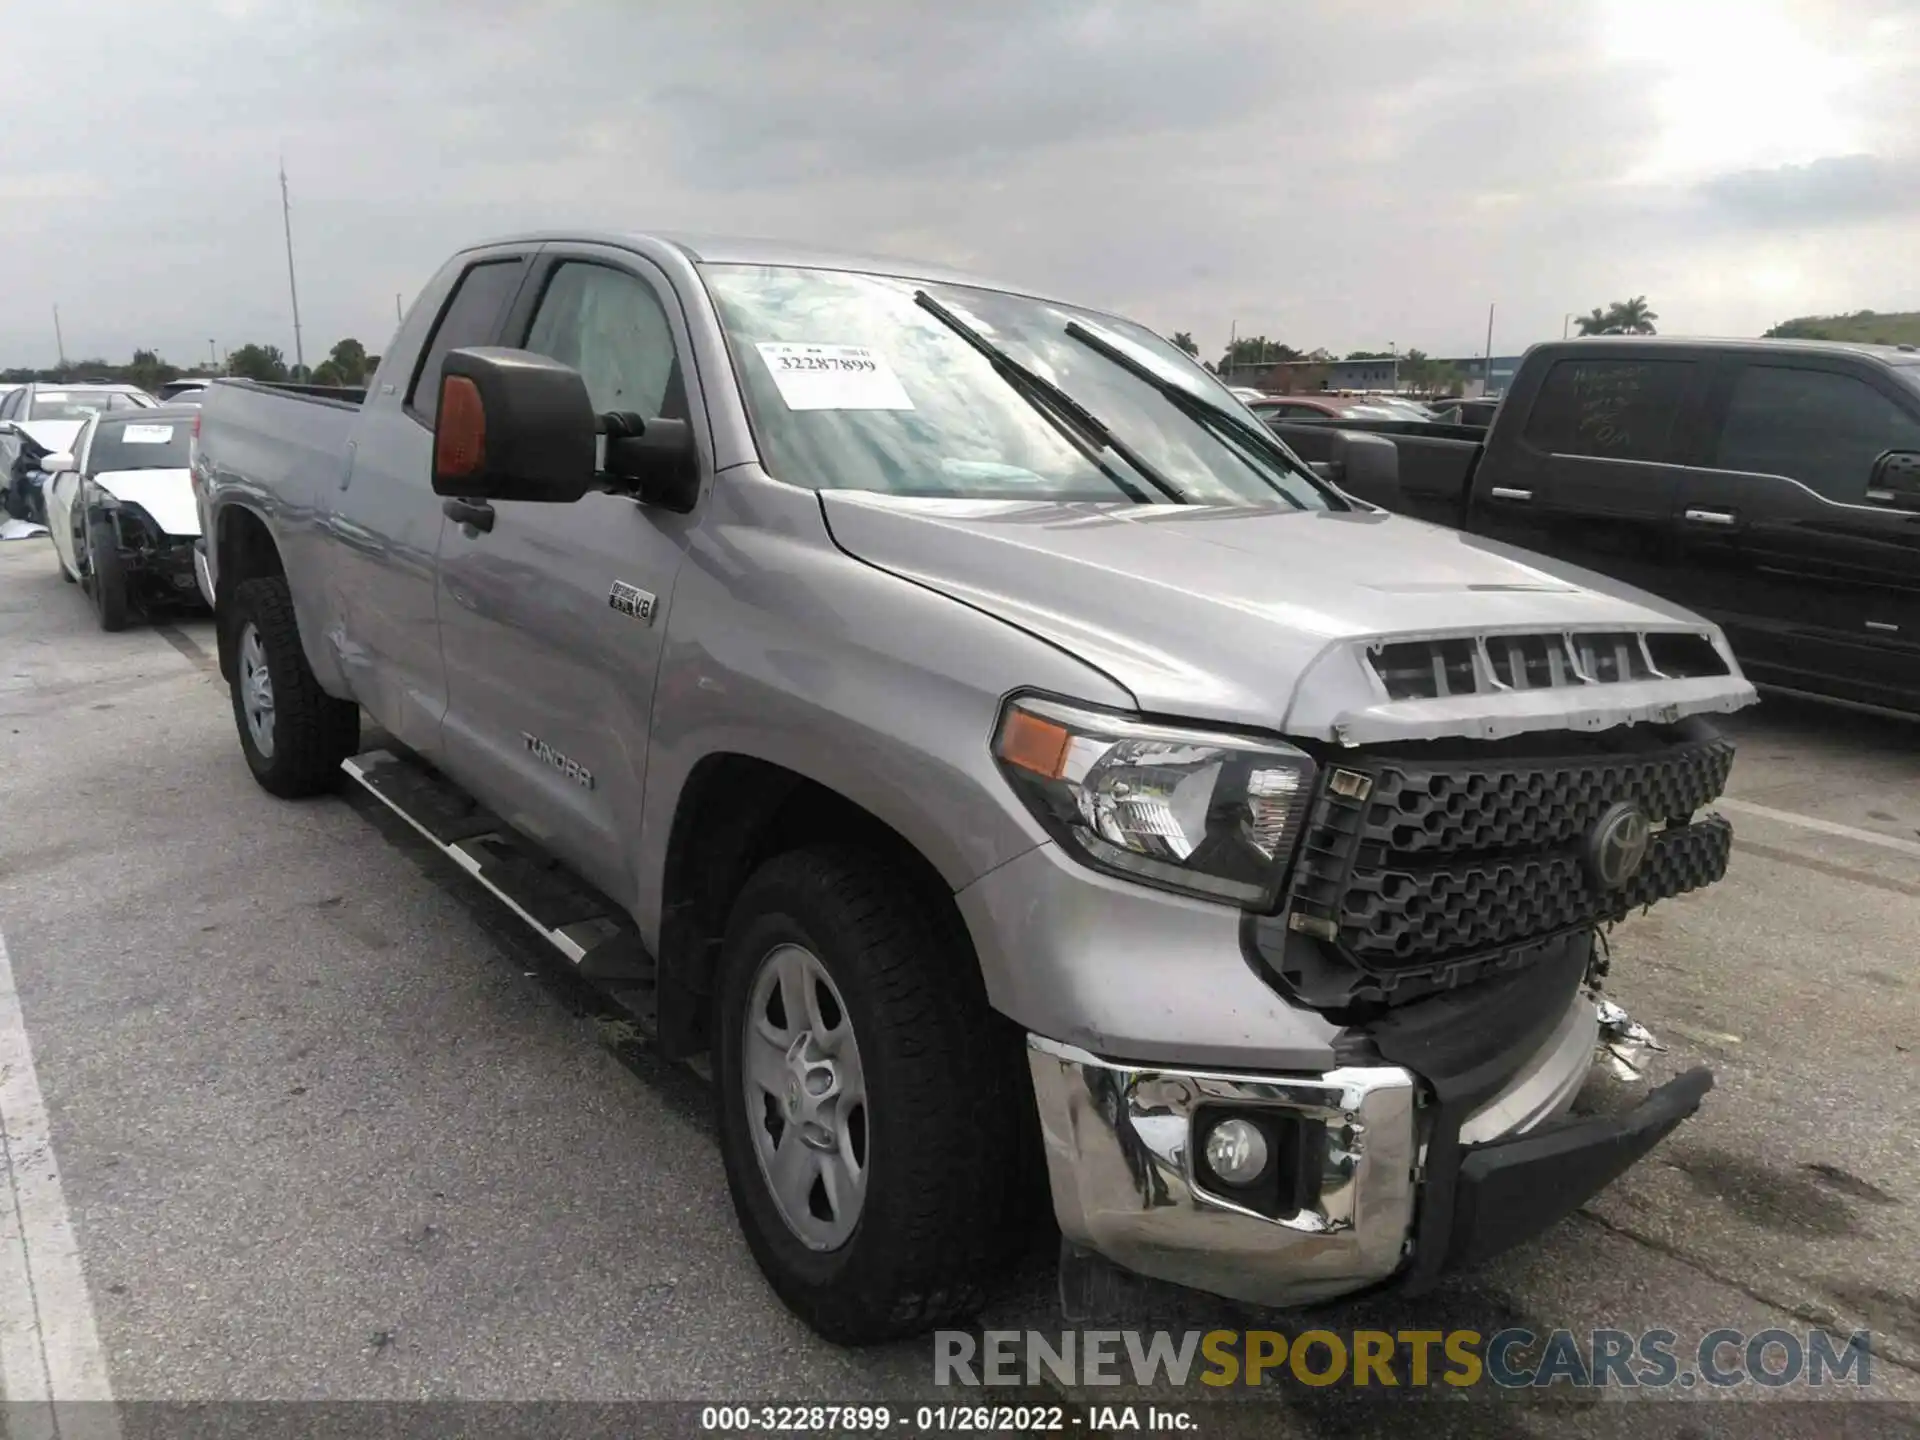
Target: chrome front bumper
[(1121, 1146)]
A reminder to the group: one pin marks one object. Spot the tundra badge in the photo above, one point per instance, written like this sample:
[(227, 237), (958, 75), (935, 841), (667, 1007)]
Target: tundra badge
[(631, 600), (544, 752)]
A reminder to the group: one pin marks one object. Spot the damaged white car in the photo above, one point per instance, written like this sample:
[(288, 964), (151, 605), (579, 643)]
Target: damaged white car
[(121, 511)]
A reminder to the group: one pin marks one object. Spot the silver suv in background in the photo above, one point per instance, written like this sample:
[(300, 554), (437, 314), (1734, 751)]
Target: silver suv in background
[(957, 715)]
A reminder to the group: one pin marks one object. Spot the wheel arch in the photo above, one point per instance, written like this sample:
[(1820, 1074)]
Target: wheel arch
[(243, 549), (734, 813)]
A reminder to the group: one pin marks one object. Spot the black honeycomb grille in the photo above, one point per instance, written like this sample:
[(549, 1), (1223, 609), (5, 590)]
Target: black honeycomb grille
[(1412, 865), (1424, 809)]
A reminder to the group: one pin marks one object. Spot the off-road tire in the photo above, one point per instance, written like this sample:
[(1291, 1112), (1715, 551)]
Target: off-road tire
[(948, 1103), (106, 576), (312, 731)]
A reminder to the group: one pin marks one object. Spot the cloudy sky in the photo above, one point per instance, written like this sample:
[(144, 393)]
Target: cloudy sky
[(1325, 173)]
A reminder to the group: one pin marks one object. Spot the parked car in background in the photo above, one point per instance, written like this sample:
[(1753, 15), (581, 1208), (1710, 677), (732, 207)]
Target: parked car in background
[(951, 712), (1477, 411), (1771, 485), (183, 388), (1273, 408), (121, 511), (41, 418)]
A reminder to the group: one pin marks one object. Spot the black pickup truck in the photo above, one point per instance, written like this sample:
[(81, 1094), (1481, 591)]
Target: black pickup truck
[(1771, 485)]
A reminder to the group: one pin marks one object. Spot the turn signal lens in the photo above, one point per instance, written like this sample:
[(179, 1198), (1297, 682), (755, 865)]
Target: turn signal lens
[(460, 435), (1206, 813)]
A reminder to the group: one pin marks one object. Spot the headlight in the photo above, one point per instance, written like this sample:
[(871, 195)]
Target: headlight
[(1190, 810)]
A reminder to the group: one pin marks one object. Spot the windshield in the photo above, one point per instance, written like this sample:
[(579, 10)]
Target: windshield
[(852, 385), (139, 445), (79, 404)]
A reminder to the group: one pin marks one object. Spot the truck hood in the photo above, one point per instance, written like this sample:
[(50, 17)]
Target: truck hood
[(166, 495), (1262, 617)]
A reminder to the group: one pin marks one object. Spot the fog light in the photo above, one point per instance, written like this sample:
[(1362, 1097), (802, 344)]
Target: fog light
[(1237, 1151)]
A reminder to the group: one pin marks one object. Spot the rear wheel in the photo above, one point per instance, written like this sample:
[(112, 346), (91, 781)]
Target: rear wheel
[(106, 576), (292, 732), (870, 1104)]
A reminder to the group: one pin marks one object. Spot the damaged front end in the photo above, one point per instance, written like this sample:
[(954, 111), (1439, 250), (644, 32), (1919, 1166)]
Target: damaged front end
[(158, 566), (1447, 911)]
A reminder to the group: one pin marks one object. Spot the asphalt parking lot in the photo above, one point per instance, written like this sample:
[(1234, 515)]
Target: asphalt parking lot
[(328, 1126)]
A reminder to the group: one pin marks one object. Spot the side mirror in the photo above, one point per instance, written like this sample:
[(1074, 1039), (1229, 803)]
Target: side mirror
[(57, 463), (656, 458), (512, 425), (1895, 481), (1370, 468)]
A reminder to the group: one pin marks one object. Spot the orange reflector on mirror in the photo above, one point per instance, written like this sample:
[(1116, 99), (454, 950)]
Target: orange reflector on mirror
[(460, 435), (1034, 744)]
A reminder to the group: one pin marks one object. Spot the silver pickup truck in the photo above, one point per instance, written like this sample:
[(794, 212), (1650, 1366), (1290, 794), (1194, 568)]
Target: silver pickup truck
[(951, 712)]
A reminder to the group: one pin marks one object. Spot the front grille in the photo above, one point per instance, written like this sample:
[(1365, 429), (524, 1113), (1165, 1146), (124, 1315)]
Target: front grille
[(1440, 857), (1435, 669)]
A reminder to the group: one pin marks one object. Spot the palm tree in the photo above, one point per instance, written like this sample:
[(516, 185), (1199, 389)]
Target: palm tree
[(1184, 340), (1631, 317), (1622, 317)]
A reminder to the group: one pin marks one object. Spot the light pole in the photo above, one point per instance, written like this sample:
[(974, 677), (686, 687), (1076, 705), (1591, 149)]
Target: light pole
[(59, 341), (286, 216), (1565, 325), (213, 362), (1487, 369)]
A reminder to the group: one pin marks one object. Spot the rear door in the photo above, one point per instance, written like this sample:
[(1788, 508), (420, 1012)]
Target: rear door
[(384, 519), (552, 622), (1593, 474), (1828, 592)]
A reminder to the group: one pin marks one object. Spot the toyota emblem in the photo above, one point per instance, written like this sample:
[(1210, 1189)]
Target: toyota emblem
[(1617, 844)]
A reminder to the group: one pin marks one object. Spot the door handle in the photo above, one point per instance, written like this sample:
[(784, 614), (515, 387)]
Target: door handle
[(476, 513), (1509, 492), (1710, 517)]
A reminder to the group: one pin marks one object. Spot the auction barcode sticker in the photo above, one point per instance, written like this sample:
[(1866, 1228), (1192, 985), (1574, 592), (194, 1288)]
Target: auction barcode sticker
[(146, 434), (833, 377)]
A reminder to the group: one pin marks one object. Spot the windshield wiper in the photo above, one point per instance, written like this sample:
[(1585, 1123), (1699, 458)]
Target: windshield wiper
[(1193, 406), (1083, 429)]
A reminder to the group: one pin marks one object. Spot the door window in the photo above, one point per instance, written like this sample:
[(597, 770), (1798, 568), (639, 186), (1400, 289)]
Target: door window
[(1610, 409), (610, 326), (472, 317), (1819, 427)]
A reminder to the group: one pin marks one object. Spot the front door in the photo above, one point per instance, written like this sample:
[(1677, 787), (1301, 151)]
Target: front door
[(1828, 597), (1593, 477), (552, 623)]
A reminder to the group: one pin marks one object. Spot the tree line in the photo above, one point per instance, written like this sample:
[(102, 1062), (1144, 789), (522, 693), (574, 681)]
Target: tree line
[(1417, 370), (347, 363)]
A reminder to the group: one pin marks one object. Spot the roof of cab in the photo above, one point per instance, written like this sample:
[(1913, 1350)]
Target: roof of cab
[(704, 249), (1888, 354)]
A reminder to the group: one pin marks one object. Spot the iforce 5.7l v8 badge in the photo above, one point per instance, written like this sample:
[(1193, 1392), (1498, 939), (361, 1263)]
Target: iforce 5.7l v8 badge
[(631, 600)]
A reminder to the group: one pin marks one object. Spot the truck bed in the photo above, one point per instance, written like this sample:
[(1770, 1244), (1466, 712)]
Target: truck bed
[(290, 439)]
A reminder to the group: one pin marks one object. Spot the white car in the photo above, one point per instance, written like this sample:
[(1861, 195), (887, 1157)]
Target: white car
[(121, 510), (41, 418)]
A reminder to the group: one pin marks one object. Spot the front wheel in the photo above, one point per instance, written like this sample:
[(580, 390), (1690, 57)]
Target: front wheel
[(292, 732), (106, 575), (871, 1105)]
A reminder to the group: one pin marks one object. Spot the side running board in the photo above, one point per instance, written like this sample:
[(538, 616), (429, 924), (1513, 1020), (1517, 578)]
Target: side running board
[(578, 921)]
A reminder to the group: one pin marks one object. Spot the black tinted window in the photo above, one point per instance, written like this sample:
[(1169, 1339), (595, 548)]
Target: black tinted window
[(1822, 429), (472, 317), (1614, 409)]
